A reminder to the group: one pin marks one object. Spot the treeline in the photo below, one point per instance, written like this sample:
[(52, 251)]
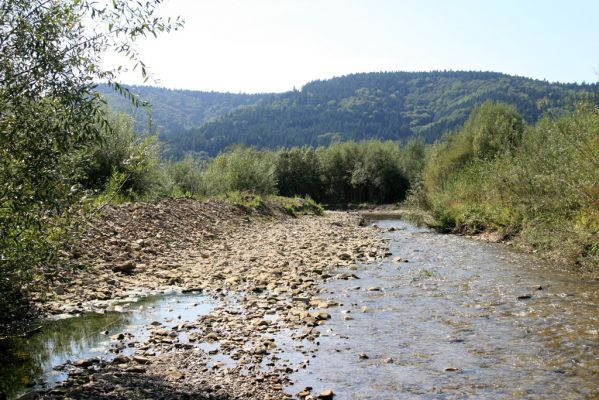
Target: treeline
[(128, 167), (538, 184), (381, 106)]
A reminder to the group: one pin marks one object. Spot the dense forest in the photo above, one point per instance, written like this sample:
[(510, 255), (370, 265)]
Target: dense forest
[(382, 105), (174, 111)]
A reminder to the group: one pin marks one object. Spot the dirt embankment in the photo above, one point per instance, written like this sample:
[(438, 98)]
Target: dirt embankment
[(264, 271)]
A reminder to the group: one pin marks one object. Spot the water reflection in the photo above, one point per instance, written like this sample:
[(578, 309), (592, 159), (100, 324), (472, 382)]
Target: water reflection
[(31, 361)]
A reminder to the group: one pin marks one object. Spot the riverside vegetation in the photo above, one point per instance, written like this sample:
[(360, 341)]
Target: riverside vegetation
[(535, 185)]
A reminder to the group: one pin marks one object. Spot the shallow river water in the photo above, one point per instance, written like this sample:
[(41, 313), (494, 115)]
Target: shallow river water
[(460, 319), (41, 360)]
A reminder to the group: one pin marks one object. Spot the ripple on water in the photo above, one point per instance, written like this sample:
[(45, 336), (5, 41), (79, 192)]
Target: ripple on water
[(461, 318)]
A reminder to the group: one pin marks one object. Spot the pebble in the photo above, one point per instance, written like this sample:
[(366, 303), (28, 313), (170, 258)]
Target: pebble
[(278, 278)]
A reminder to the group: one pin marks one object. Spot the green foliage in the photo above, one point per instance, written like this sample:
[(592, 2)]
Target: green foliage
[(539, 183), (49, 110), (187, 177), (368, 171), (495, 129), (492, 129), (123, 153), (246, 200), (175, 111), (295, 206), (349, 172), (242, 169), (298, 172), (383, 106)]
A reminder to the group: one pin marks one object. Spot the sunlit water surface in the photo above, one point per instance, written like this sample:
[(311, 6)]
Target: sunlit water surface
[(34, 361), (460, 319)]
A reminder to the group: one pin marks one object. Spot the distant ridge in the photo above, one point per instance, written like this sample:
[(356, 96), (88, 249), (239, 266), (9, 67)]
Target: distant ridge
[(176, 110), (376, 105)]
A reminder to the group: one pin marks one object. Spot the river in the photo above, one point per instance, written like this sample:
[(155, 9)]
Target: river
[(457, 318)]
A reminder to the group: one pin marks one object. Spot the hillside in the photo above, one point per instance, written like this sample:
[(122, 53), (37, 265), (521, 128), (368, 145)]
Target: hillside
[(381, 105), (175, 111)]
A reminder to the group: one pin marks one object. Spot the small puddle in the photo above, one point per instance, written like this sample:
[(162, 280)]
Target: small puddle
[(35, 362)]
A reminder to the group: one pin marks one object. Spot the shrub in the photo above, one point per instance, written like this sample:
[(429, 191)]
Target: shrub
[(186, 175), (538, 182), (243, 169), (123, 152)]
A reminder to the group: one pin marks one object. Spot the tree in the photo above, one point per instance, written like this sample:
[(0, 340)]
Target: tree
[(496, 128), (50, 53)]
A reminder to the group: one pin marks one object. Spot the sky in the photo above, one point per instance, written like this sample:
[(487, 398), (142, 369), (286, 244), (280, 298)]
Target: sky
[(256, 46)]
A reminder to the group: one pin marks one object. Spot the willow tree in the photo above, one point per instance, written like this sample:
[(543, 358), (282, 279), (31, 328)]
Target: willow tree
[(50, 61)]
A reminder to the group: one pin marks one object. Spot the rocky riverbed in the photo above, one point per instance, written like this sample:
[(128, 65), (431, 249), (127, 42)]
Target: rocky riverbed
[(263, 270)]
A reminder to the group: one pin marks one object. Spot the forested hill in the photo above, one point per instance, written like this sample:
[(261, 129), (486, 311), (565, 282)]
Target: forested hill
[(381, 105), (176, 111)]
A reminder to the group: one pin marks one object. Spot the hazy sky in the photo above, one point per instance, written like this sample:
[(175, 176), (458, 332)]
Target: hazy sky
[(274, 45)]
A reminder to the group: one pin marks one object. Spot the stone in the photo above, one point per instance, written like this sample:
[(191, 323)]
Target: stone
[(174, 374), (136, 369), (28, 396), (326, 394), (83, 363), (321, 315), (125, 267), (304, 300), (141, 360), (121, 360)]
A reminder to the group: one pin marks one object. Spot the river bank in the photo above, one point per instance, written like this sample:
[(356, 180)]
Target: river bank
[(330, 306), (263, 271)]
